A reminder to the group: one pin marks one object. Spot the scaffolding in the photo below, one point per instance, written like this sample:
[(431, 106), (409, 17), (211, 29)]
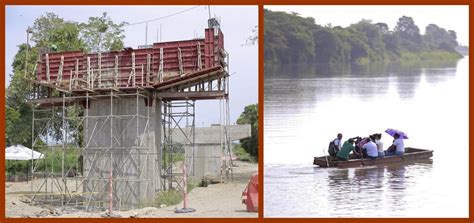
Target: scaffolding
[(178, 118), (108, 160), (108, 121)]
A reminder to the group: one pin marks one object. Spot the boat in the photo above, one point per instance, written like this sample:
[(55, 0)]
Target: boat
[(411, 154)]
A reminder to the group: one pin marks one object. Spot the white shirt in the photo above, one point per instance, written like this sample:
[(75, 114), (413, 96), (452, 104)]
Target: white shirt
[(399, 144), (337, 142), (371, 149), (379, 145)]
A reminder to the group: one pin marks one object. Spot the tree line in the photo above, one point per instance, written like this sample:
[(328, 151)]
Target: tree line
[(51, 33), (290, 39)]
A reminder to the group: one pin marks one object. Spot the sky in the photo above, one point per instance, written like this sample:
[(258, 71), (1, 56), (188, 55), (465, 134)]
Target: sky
[(187, 25), (449, 17)]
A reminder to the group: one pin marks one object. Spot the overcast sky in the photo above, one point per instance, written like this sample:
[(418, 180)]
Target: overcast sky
[(236, 24), (449, 17)]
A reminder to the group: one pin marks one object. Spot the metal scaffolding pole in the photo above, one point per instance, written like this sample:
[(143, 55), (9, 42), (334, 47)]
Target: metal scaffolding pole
[(93, 154), (121, 163), (178, 120)]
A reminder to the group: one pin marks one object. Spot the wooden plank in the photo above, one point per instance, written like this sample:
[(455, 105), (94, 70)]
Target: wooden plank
[(190, 77), (47, 68), (49, 100), (191, 95)]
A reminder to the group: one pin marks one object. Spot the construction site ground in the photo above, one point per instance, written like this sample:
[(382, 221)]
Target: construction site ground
[(215, 200)]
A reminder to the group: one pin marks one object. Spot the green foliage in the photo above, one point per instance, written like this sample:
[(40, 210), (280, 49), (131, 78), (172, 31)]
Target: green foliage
[(52, 160), (51, 33), (291, 39), (409, 34), (437, 38), (173, 196), (191, 185), (12, 117), (17, 167), (168, 198), (102, 34), (175, 157), (50, 163), (432, 55), (242, 154), (250, 116)]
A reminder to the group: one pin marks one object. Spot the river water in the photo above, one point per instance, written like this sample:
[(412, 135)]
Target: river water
[(306, 106)]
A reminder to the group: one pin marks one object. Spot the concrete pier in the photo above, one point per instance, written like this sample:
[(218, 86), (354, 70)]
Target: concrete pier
[(124, 133), (208, 153)]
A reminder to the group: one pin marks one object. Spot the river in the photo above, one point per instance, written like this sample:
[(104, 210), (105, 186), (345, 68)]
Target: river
[(306, 106)]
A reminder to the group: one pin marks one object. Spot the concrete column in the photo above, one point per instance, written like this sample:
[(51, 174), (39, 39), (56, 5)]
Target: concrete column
[(137, 142)]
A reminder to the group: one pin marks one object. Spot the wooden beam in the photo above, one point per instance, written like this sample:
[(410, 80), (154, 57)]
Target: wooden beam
[(161, 69), (47, 68), (99, 63), (55, 100), (215, 71), (191, 95), (116, 71)]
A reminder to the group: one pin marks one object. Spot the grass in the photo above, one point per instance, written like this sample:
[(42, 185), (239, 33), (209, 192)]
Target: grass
[(242, 154), (168, 198), (176, 157), (433, 55), (173, 197)]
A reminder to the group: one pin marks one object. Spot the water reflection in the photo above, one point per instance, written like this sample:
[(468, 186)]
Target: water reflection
[(369, 78), (306, 106)]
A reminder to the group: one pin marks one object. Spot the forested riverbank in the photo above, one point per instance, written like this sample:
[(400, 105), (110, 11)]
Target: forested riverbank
[(292, 39)]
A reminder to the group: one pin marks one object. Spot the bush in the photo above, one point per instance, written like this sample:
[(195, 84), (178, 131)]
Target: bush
[(250, 116), (242, 154), (172, 196), (176, 157), (50, 163), (168, 198)]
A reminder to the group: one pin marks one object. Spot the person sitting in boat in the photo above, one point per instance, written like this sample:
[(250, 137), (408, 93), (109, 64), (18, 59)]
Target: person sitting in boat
[(370, 149), (397, 148), (379, 144), (360, 144), (345, 151), (335, 145)]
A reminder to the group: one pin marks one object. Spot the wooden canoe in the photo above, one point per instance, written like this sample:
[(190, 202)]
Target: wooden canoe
[(411, 154)]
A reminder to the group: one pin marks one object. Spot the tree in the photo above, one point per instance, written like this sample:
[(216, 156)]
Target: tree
[(374, 36), (383, 27), (50, 33), (292, 39), (12, 117), (438, 38), (288, 37), (409, 34), (252, 38), (326, 45), (102, 34), (18, 112), (53, 33), (392, 43), (250, 116)]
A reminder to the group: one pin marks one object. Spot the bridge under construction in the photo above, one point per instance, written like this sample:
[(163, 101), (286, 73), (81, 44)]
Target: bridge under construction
[(118, 113)]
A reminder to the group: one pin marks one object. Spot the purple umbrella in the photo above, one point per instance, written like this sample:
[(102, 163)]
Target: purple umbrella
[(393, 131)]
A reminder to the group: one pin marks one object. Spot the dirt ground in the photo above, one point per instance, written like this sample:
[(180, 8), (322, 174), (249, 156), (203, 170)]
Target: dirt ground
[(216, 200)]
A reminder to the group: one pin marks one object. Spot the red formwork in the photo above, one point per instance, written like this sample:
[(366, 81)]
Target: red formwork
[(179, 58)]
